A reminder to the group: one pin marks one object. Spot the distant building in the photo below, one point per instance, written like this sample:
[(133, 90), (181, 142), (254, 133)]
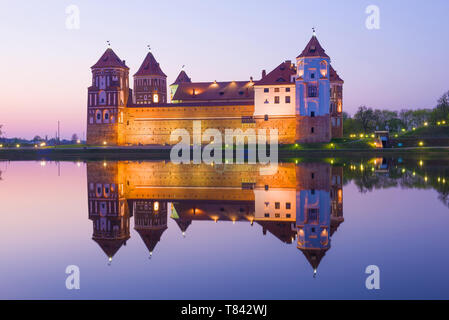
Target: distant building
[(303, 101)]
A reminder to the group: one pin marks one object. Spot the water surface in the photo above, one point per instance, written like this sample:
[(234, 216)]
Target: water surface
[(154, 230)]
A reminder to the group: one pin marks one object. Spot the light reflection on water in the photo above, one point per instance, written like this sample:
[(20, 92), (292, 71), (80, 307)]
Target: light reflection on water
[(162, 231)]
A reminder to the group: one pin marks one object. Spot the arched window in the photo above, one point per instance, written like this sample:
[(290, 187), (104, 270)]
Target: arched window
[(323, 68), (155, 98), (102, 97), (98, 116), (106, 116)]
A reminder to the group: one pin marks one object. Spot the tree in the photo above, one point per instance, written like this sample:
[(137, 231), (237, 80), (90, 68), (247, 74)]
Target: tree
[(37, 138), (1, 132), (365, 116), (74, 137), (441, 111)]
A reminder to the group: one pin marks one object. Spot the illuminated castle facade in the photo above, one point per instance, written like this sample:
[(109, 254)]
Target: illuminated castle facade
[(303, 101)]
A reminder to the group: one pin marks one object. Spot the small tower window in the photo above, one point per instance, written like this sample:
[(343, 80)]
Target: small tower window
[(266, 90), (312, 130), (312, 114), (266, 117)]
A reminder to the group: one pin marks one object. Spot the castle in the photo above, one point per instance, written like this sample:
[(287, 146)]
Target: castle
[(303, 101)]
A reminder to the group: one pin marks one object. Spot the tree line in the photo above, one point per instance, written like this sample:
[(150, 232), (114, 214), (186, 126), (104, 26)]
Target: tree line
[(368, 120)]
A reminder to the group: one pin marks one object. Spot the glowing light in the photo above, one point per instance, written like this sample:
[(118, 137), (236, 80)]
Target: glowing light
[(361, 135), (17, 145), (403, 130), (438, 123), (156, 206), (105, 143), (1, 146), (296, 145), (421, 143), (403, 170), (413, 128), (156, 98), (104, 164), (78, 141), (443, 122), (43, 144), (35, 145), (372, 136), (78, 164), (425, 179), (426, 124), (43, 163), (361, 167), (421, 163)]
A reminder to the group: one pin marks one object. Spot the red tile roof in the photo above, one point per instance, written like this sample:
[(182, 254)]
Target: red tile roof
[(109, 59), (313, 49), (215, 91), (280, 75), (150, 67), (182, 77), (333, 76)]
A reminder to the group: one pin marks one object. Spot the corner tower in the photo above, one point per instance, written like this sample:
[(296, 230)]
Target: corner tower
[(107, 98), (313, 94), (150, 82)]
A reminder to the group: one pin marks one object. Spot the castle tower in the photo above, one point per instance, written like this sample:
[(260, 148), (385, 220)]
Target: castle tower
[(313, 94), (181, 78), (150, 82), (336, 104), (108, 209), (107, 98)]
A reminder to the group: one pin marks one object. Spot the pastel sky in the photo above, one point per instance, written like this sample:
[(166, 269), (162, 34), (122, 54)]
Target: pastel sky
[(45, 67)]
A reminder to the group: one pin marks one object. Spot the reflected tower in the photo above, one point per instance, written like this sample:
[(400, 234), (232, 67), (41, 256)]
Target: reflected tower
[(150, 221), (313, 211), (107, 207)]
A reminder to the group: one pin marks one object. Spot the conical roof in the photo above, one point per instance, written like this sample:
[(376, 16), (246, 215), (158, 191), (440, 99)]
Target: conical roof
[(314, 256), (150, 67), (109, 60), (110, 246), (313, 49), (151, 237), (182, 77)]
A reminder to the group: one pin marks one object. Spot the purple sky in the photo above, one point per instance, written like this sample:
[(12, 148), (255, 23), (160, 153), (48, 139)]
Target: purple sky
[(46, 67)]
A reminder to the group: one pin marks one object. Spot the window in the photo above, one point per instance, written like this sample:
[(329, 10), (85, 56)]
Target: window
[(277, 215), (312, 76), (155, 98), (287, 89), (312, 175), (106, 115), (266, 187), (312, 130), (288, 215), (312, 114), (277, 205), (267, 215), (312, 192), (287, 99), (288, 206), (266, 101), (312, 91), (266, 117), (276, 89), (276, 99), (266, 90)]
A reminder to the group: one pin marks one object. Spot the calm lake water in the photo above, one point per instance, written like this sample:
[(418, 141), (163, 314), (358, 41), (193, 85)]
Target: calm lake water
[(155, 230)]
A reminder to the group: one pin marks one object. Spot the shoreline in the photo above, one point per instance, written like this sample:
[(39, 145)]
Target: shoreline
[(163, 153)]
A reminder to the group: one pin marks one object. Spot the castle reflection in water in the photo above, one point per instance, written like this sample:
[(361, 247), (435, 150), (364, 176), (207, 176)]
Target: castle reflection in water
[(301, 203)]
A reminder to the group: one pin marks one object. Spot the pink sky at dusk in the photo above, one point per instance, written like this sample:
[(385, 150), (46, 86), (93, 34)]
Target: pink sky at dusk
[(46, 67)]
